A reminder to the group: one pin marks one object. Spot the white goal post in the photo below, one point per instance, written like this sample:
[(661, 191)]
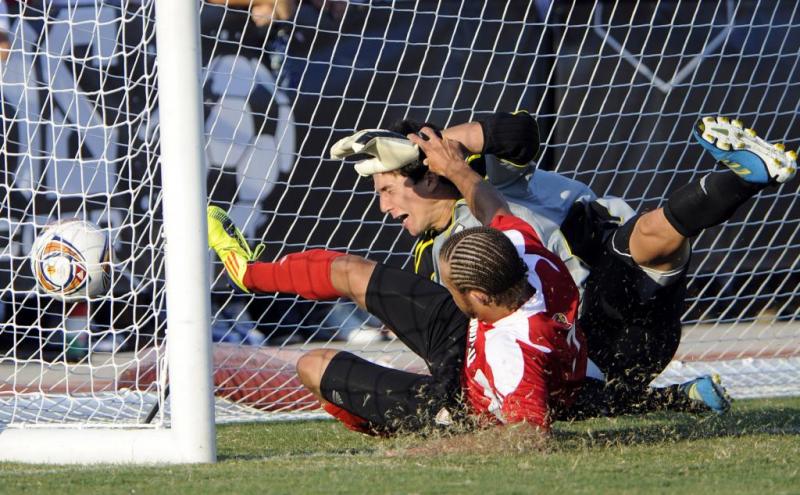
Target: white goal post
[(191, 435), (102, 118)]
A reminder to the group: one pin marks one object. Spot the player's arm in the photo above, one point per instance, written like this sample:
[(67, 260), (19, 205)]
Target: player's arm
[(5, 28), (510, 136), (470, 135), (444, 157), (507, 142)]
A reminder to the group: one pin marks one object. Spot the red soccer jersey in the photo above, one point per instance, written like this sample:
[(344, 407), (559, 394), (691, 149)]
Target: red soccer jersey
[(523, 365)]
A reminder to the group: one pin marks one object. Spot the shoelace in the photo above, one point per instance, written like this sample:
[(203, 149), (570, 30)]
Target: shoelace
[(257, 251)]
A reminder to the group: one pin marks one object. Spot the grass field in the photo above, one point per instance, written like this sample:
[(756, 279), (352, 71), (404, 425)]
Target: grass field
[(753, 449)]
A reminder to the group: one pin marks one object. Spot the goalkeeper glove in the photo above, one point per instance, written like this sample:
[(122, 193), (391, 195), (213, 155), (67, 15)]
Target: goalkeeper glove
[(389, 150)]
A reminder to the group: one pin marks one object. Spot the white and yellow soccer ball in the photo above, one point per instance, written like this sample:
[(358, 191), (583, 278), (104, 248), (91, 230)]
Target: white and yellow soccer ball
[(71, 260)]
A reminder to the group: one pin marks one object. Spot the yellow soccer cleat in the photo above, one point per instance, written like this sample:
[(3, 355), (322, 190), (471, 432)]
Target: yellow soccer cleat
[(230, 245)]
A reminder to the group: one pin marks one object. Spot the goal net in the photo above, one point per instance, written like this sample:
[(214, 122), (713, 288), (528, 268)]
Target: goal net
[(616, 88), (85, 135)]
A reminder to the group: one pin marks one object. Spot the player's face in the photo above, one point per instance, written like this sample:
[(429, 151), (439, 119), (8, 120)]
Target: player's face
[(461, 299), (400, 198)]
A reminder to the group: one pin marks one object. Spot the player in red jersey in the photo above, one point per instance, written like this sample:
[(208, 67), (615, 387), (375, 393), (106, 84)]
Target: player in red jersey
[(525, 356), (522, 360), (521, 365)]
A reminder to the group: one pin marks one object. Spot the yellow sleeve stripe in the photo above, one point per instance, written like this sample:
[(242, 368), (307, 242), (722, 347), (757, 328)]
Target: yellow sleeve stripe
[(419, 250), (421, 246), (518, 165), (473, 157)]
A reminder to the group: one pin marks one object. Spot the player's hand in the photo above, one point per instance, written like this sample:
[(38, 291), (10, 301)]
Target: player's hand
[(5, 46), (442, 156), (263, 12)]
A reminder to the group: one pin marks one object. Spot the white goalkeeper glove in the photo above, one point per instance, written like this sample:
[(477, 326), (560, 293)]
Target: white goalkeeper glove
[(390, 150)]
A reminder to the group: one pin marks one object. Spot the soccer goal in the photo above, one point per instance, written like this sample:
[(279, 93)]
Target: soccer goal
[(62, 400), (101, 121)]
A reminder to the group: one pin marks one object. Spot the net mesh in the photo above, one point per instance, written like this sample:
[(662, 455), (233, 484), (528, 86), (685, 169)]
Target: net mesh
[(616, 88)]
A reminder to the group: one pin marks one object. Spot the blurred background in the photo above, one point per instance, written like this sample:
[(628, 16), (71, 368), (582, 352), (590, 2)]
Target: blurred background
[(616, 86)]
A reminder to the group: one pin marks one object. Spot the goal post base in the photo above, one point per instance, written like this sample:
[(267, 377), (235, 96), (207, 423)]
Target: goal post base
[(101, 446)]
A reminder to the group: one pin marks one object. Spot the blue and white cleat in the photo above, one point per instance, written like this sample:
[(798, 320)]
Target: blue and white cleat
[(741, 150), (708, 390)]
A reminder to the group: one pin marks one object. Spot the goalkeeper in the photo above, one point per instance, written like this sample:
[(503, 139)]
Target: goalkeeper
[(631, 267), (522, 359)]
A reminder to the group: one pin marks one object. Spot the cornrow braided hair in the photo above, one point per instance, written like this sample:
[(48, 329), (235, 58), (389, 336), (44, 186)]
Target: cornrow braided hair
[(484, 259)]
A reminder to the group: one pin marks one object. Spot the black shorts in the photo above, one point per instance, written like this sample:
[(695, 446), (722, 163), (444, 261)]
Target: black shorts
[(631, 337), (632, 324), (424, 317)]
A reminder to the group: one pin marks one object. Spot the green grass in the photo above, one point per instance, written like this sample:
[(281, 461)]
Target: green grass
[(753, 449)]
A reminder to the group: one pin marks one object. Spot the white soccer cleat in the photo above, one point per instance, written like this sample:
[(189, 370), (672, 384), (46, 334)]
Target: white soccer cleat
[(740, 149)]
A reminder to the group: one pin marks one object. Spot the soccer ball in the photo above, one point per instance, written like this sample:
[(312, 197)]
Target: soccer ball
[(71, 260)]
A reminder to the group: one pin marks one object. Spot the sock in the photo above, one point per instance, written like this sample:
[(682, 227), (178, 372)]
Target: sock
[(708, 202), (351, 421), (307, 274)]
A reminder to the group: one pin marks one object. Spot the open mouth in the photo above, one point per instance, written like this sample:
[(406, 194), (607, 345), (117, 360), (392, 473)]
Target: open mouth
[(403, 218)]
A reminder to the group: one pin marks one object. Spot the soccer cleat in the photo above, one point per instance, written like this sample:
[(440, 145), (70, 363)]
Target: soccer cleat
[(230, 245), (740, 149), (708, 390)]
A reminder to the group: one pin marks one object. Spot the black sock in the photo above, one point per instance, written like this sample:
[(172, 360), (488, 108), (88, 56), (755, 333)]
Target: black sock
[(708, 202)]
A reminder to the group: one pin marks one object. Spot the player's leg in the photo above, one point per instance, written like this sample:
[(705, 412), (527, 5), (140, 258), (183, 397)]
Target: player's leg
[(630, 313), (697, 395), (367, 397), (659, 238), (373, 399), (655, 244), (315, 274), (310, 368), (632, 326), (389, 399), (631, 317), (634, 297), (421, 313), (359, 393)]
